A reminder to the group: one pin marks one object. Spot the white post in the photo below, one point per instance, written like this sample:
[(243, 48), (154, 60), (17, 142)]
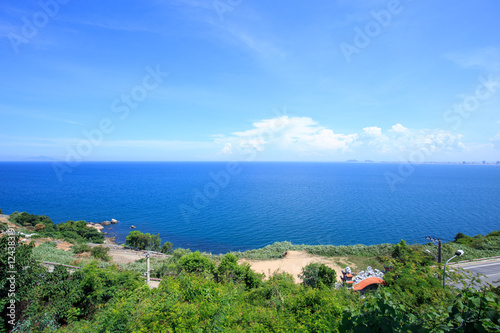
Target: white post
[(147, 268)]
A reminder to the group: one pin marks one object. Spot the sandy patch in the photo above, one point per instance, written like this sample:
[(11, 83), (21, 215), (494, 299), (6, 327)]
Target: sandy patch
[(292, 263), (121, 255)]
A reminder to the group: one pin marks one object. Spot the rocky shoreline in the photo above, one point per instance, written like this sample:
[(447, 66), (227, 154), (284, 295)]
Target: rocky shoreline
[(100, 225)]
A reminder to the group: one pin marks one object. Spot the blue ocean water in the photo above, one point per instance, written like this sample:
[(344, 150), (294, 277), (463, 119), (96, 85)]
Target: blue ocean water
[(218, 207)]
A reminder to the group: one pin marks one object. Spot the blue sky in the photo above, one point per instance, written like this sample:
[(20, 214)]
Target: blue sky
[(249, 80)]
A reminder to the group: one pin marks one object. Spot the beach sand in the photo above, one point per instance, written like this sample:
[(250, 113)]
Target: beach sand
[(292, 263)]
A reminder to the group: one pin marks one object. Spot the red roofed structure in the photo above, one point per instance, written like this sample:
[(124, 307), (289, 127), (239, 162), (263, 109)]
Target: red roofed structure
[(368, 283)]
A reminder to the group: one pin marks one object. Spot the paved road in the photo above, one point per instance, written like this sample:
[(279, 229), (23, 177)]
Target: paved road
[(490, 268)]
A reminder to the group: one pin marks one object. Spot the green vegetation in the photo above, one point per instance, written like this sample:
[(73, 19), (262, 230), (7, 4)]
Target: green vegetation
[(277, 250), (140, 241), (71, 231), (100, 252), (204, 293), (81, 248), (318, 275)]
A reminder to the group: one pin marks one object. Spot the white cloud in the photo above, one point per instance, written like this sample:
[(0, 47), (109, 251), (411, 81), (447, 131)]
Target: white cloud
[(301, 136), (227, 149), (496, 141), (372, 131), (398, 128)]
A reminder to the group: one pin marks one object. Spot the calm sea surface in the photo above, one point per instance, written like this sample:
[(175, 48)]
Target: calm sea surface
[(219, 207)]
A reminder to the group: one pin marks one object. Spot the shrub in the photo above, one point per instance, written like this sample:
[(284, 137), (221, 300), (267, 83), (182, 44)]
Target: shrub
[(140, 241), (78, 231), (100, 252), (80, 248), (39, 226), (317, 275), (196, 263), (167, 248)]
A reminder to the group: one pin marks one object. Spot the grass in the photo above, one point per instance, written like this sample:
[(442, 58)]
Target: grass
[(48, 252), (359, 256), (277, 250)]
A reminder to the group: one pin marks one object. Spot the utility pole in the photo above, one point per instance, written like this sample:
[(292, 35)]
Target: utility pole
[(440, 250), (440, 255), (148, 255)]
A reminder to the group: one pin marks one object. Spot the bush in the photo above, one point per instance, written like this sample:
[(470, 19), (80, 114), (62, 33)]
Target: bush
[(140, 241), (318, 275), (196, 263), (78, 231), (80, 248), (39, 226), (167, 248), (100, 252), (29, 219)]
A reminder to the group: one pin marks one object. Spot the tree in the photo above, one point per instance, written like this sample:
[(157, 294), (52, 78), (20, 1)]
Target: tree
[(317, 275), (197, 263), (459, 236), (16, 256), (167, 248), (140, 241)]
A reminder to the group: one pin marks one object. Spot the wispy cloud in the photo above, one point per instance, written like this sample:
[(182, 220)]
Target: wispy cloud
[(487, 58), (260, 46), (19, 112), (105, 23)]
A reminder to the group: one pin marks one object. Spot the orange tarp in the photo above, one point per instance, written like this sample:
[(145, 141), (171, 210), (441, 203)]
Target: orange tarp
[(366, 282)]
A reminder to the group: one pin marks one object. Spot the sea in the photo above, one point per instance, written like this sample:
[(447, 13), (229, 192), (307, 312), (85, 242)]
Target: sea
[(235, 206)]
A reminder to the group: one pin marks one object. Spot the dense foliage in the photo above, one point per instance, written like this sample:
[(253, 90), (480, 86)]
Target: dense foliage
[(71, 231), (100, 252), (46, 299), (199, 294), (140, 241), (204, 293), (479, 242), (318, 275)]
